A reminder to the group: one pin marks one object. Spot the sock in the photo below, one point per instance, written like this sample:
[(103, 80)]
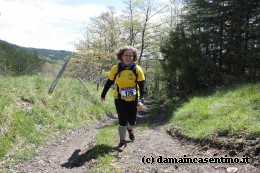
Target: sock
[(129, 127), (122, 132)]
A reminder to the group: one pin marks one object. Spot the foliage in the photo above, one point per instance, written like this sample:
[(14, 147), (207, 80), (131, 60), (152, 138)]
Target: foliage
[(111, 30), (29, 115), (17, 60), (215, 43), (227, 112), (51, 56)]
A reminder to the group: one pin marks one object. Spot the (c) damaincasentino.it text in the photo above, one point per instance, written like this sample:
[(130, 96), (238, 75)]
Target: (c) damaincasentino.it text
[(199, 160)]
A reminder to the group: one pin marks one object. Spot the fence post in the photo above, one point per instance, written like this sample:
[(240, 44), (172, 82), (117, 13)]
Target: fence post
[(60, 73)]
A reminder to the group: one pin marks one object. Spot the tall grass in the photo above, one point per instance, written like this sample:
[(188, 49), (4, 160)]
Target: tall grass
[(29, 115), (228, 112)]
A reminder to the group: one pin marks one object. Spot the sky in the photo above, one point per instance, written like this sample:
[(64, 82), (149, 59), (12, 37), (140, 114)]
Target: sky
[(48, 24)]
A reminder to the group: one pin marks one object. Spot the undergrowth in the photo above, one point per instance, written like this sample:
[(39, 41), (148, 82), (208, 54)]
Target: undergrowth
[(29, 115), (228, 112)]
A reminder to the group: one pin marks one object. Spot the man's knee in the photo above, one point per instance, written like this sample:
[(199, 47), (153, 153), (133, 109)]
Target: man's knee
[(122, 123)]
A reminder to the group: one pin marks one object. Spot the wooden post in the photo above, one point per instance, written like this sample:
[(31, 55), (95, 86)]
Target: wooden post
[(100, 76), (81, 81), (60, 73)]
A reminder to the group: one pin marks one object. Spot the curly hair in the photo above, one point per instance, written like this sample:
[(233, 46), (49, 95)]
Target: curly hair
[(121, 51)]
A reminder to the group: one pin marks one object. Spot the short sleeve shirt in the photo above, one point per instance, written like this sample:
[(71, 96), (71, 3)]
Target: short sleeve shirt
[(125, 83)]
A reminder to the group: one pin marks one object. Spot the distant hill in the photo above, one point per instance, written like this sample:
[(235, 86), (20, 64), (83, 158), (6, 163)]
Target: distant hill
[(51, 56)]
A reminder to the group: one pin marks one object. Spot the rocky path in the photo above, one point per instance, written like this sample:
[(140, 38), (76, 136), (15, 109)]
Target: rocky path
[(147, 153)]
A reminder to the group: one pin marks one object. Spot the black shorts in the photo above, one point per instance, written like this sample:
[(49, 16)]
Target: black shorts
[(126, 111)]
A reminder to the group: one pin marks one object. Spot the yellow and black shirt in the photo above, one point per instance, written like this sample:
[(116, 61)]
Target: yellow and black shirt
[(130, 82)]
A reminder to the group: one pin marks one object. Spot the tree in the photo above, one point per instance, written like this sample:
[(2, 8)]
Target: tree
[(96, 52), (131, 25), (139, 26), (216, 39), (17, 61)]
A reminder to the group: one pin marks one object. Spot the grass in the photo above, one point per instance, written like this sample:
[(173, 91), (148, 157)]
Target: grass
[(228, 112), (105, 139), (29, 115), (147, 121)]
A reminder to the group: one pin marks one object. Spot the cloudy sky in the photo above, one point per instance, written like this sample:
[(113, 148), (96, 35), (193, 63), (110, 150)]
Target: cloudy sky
[(49, 24)]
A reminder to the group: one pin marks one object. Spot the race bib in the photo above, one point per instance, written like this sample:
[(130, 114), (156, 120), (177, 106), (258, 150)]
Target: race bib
[(128, 92)]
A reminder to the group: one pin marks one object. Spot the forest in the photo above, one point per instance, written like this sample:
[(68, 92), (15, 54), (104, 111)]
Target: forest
[(184, 46), (18, 61)]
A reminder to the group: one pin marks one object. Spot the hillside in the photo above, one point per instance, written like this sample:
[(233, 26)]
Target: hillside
[(227, 112), (227, 119), (30, 115), (51, 56), (35, 137)]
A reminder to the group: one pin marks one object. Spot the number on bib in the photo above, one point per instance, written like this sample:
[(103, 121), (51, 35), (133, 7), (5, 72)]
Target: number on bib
[(128, 92)]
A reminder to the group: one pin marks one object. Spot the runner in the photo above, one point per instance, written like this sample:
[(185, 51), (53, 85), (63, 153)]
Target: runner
[(129, 91)]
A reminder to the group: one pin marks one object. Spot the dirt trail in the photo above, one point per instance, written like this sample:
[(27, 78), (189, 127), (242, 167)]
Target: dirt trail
[(72, 153)]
